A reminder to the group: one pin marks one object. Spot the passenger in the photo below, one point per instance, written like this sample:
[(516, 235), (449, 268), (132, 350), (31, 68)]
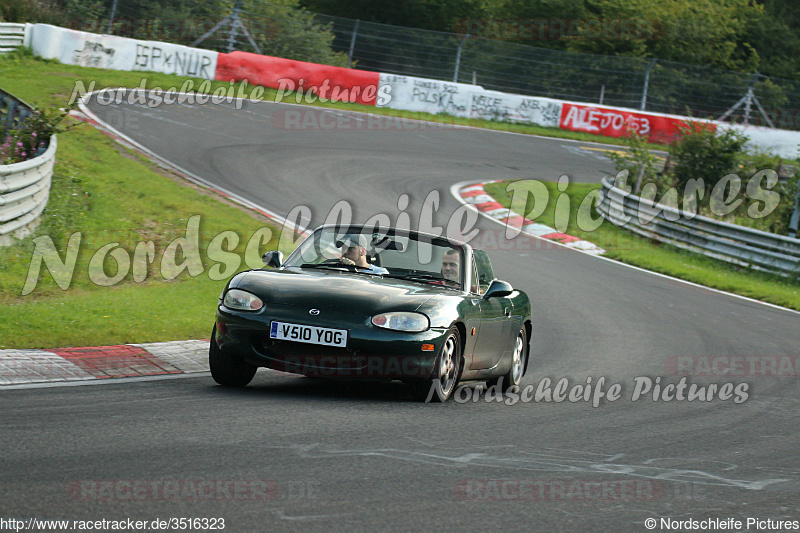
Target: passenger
[(451, 265)]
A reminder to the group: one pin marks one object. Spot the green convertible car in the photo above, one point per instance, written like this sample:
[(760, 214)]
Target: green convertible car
[(366, 303)]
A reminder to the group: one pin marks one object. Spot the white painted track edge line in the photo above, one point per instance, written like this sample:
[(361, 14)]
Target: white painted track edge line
[(161, 161), (102, 381)]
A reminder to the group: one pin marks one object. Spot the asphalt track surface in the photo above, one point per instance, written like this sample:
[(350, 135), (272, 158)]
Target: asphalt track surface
[(364, 457)]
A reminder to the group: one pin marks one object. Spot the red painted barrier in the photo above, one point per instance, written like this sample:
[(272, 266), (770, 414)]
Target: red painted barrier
[(333, 83), (617, 122)]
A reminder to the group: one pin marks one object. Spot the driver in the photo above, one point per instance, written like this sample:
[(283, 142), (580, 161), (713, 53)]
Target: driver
[(354, 252)]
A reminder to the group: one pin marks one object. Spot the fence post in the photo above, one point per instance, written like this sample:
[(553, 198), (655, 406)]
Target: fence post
[(111, 17), (352, 44), (750, 96), (234, 19), (458, 57), (646, 83)]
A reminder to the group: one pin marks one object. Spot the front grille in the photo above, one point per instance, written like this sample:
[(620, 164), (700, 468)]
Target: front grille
[(311, 355)]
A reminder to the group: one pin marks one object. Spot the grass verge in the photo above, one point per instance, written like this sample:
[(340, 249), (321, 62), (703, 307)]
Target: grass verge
[(626, 247)]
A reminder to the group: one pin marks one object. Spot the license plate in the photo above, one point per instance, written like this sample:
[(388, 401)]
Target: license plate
[(308, 334)]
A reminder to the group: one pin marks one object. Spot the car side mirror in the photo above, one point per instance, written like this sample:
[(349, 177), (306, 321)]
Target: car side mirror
[(498, 288), (273, 259)]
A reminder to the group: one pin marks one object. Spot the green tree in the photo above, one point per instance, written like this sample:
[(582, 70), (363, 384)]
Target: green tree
[(439, 15), (776, 38), (703, 153), (284, 30)]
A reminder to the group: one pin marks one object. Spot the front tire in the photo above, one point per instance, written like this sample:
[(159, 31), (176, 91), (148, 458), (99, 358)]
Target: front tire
[(513, 377), (225, 369), (447, 370)]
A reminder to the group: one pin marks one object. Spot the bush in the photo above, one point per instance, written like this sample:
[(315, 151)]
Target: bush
[(636, 160), (703, 153), (30, 137)]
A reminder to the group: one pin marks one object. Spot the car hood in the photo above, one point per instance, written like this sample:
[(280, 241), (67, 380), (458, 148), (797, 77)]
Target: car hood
[(340, 291)]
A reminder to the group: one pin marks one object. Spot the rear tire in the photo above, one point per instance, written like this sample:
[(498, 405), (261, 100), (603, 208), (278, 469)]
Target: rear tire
[(225, 369), (439, 387), (519, 357)]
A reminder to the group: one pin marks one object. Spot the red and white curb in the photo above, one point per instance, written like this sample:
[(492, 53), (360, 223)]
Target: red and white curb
[(475, 195), (19, 367)]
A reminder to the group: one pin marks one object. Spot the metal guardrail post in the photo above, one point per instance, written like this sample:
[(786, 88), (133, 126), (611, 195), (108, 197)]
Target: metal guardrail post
[(794, 221)]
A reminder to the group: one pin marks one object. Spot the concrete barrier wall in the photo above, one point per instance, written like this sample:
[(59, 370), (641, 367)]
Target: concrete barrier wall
[(615, 122), (332, 83), (468, 101), (372, 88), (120, 53)]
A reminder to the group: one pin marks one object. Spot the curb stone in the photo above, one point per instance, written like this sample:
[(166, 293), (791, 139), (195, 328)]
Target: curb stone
[(103, 362), (475, 195)]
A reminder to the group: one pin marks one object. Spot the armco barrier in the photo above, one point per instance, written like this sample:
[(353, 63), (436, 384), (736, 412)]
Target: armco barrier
[(334, 83), (735, 244), (13, 36), (24, 191)]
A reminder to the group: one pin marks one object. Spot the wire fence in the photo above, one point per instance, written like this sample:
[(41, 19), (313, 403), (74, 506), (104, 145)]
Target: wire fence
[(631, 82), (638, 83)]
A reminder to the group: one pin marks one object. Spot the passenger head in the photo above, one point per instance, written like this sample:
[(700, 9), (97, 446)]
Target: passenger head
[(451, 265)]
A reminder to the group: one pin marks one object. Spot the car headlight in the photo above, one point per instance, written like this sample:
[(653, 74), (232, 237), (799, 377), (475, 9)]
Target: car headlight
[(402, 321), (242, 300)]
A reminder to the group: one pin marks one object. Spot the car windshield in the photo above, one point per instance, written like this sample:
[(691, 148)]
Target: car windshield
[(408, 256)]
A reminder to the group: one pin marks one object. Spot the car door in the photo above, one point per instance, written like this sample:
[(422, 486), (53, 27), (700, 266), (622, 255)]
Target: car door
[(494, 331)]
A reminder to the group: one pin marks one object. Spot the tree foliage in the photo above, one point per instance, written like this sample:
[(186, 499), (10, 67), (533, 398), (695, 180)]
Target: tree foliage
[(704, 153), (743, 35), (278, 26), (439, 15)]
